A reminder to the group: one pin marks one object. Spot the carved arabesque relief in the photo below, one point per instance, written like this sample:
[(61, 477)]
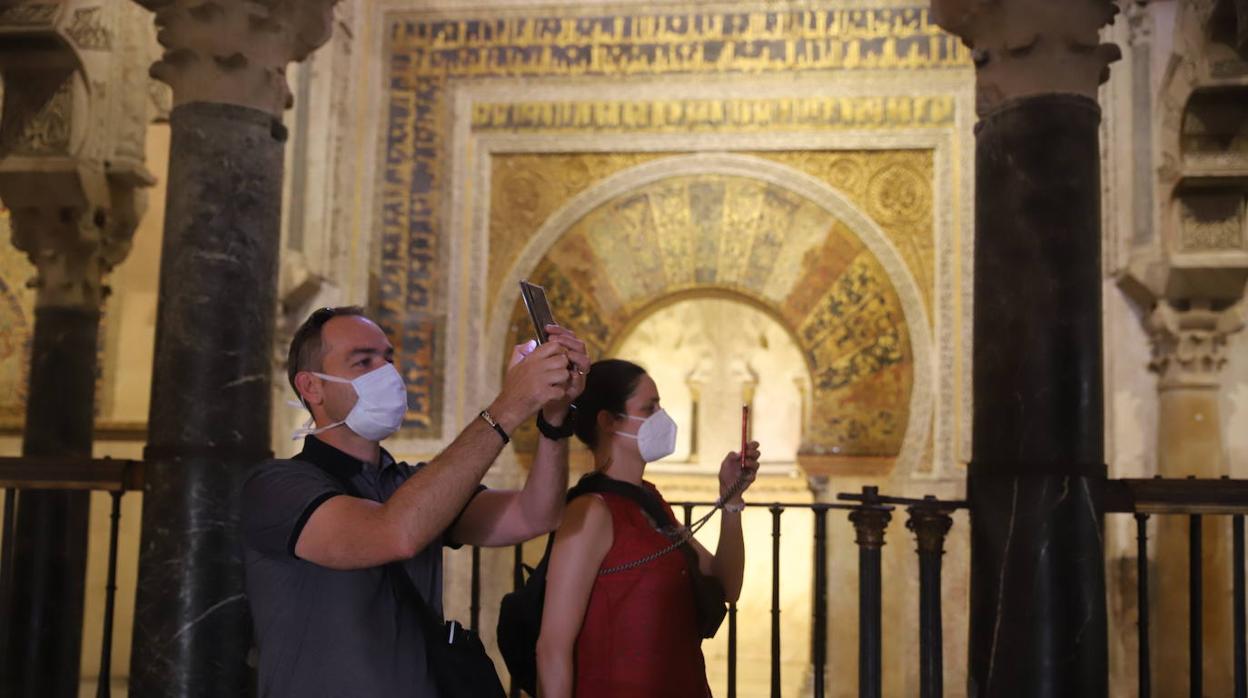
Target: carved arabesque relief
[(1212, 221), (48, 131), (73, 141), (88, 31), (1202, 254)]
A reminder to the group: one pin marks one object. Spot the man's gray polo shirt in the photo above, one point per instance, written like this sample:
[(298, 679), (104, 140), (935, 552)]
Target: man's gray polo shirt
[(324, 632)]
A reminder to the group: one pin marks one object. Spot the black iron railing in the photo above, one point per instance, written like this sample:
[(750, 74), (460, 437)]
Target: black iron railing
[(870, 512), (1194, 499), (96, 474), (928, 518)]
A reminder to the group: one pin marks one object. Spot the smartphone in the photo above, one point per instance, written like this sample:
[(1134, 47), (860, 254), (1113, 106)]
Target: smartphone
[(745, 432), (539, 310)]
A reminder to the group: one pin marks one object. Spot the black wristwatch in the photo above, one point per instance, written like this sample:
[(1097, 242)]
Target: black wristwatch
[(553, 432)]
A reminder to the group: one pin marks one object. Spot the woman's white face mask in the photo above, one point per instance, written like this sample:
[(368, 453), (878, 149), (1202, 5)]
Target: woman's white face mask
[(379, 408), (656, 437)]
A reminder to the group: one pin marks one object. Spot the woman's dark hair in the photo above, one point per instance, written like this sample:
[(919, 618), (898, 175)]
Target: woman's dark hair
[(608, 386)]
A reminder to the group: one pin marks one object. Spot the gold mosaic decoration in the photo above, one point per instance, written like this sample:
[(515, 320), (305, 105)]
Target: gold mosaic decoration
[(715, 115), (427, 50), (894, 188), (736, 235), (527, 189)]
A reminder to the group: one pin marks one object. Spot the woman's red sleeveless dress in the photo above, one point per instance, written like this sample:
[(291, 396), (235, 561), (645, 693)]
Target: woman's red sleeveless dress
[(640, 637)]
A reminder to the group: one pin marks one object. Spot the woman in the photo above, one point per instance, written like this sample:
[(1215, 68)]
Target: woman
[(634, 632)]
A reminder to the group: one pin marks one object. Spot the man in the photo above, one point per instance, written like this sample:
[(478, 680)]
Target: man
[(327, 619)]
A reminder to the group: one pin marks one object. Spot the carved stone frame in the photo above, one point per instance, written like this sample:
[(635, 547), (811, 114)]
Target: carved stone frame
[(940, 404)]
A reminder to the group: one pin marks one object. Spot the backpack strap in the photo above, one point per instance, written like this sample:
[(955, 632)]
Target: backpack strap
[(399, 579), (650, 505), (600, 483)]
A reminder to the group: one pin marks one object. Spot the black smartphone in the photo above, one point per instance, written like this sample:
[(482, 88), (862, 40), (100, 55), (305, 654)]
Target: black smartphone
[(745, 432), (539, 310)]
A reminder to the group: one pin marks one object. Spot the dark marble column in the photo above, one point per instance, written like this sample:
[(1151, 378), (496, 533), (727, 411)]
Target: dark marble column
[(210, 404), (211, 391), (1035, 484), (43, 608), (1035, 487)]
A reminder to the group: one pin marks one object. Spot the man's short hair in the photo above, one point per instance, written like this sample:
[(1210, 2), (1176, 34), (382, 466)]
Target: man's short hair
[(307, 351)]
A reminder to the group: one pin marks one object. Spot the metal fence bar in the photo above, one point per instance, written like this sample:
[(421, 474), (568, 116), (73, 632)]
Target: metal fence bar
[(776, 510), (1195, 602), (7, 549), (104, 687), (930, 523), (474, 607), (819, 606), (1241, 652), (1141, 592), (6, 556), (869, 519), (732, 649), (517, 580)]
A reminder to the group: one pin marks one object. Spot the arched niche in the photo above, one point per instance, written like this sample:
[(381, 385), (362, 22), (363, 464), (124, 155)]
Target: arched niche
[(709, 353), (761, 232)]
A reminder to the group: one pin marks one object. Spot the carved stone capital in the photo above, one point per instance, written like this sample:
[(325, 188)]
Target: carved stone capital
[(236, 51), (75, 223), (1189, 345), (1030, 47)]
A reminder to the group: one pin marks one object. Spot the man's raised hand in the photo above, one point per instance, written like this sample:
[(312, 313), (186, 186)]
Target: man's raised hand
[(536, 377)]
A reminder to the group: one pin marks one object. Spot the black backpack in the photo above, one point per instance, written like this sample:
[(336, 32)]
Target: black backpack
[(520, 615)]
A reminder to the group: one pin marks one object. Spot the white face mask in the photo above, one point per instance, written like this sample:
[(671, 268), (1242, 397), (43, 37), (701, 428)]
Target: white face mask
[(656, 437), (379, 408)]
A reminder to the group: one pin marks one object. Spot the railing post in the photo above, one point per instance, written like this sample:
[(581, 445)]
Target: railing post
[(1237, 559), (732, 649), (776, 510), (930, 524), (517, 580), (870, 520), (819, 605), (104, 687), (1141, 592), (1195, 600), (6, 557), (474, 607)]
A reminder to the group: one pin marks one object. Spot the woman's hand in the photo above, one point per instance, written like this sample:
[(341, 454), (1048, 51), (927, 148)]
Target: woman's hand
[(734, 467)]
